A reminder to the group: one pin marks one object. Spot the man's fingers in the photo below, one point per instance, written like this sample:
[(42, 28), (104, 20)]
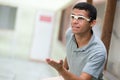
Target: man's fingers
[(61, 61), (55, 64), (50, 61)]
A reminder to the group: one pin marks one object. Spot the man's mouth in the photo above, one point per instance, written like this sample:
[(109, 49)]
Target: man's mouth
[(75, 27)]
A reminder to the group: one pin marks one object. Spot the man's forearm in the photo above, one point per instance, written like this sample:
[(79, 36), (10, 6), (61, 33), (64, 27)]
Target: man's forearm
[(68, 75), (65, 73), (65, 64)]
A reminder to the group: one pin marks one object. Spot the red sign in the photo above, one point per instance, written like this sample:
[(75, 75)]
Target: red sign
[(45, 18)]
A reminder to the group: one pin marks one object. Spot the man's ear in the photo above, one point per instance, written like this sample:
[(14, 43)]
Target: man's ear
[(92, 23)]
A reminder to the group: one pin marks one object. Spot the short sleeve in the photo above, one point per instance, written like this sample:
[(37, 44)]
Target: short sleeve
[(68, 33), (95, 64)]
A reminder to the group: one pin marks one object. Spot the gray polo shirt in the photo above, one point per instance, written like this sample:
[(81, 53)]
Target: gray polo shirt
[(90, 58)]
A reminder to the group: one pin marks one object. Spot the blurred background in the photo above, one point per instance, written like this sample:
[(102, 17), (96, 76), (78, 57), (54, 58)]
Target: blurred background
[(31, 31)]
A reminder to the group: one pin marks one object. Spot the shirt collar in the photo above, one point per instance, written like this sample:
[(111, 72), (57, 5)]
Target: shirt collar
[(84, 47)]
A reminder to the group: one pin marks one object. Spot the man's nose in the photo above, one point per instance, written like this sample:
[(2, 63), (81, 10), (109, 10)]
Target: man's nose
[(75, 20)]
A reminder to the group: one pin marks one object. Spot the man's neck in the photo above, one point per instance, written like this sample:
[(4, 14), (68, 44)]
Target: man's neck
[(82, 39)]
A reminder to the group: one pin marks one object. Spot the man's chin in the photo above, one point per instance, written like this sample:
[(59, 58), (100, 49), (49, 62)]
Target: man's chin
[(74, 31)]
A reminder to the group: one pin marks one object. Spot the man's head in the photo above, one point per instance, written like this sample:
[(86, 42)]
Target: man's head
[(83, 18), (87, 7)]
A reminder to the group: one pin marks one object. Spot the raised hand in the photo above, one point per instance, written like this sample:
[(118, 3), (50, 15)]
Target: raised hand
[(57, 65)]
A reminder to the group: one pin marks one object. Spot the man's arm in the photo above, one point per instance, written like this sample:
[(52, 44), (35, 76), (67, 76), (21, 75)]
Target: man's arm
[(65, 73)]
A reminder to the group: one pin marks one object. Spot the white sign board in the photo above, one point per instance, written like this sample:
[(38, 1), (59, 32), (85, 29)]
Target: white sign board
[(42, 35)]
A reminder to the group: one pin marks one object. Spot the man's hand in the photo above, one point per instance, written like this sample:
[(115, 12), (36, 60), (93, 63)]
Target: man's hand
[(57, 65), (65, 73)]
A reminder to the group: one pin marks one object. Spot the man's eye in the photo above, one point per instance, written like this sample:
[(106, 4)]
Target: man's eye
[(72, 17), (80, 18)]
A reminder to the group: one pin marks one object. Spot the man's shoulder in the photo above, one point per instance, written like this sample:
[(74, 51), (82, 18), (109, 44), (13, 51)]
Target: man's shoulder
[(68, 33), (97, 45)]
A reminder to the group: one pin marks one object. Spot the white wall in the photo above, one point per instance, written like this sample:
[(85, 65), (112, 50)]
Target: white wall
[(17, 42)]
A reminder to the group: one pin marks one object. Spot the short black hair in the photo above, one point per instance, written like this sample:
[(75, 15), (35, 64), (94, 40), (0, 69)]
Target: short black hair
[(87, 7)]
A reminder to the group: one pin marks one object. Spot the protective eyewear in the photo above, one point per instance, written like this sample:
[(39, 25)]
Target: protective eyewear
[(79, 17)]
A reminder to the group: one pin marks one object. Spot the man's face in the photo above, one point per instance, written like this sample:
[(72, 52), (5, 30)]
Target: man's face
[(80, 21)]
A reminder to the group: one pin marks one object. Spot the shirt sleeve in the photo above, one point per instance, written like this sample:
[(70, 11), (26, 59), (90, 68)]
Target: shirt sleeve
[(95, 64), (68, 33)]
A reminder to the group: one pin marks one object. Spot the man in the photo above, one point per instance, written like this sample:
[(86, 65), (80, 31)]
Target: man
[(86, 54)]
